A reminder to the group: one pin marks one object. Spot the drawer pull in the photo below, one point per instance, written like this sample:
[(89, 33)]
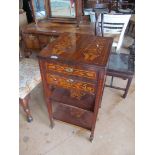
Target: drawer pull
[(70, 70), (70, 80)]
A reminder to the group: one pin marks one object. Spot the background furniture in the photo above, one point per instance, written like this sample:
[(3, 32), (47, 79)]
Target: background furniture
[(73, 70), (120, 6), (22, 23), (36, 37), (113, 26), (121, 65), (66, 11), (29, 78), (27, 8), (130, 31)]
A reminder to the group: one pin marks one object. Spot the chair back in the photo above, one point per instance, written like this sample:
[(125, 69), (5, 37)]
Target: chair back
[(110, 24)]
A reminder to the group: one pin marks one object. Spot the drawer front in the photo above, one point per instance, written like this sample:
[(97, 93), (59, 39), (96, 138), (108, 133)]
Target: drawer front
[(31, 41), (45, 39), (67, 70), (68, 83)]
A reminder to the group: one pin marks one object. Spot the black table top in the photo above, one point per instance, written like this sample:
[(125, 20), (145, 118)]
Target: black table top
[(121, 63)]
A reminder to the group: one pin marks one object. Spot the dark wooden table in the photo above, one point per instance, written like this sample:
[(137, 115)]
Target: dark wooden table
[(73, 70), (121, 65)]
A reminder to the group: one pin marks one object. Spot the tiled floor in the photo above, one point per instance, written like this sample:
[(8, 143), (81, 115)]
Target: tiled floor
[(114, 133)]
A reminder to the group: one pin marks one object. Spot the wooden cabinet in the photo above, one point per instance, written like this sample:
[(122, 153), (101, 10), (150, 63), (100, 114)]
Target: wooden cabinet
[(37, 36), (44, 40), (73, 70), (36, 42), (31, 41)]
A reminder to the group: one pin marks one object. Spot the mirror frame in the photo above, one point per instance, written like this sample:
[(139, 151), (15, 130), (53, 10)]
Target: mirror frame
[(78, 13), (33, 11)]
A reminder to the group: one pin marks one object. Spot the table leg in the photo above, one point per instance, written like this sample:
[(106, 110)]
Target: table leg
[(24, 104), (27, 53), (111, 82), (127, 87)]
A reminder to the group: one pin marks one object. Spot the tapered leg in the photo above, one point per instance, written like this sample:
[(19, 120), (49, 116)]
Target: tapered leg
[(91, 137), (97, 102), (127, 87), (102, 91), (49, 107), (111, 82), (27, 53), (24, 104), (47, 94)]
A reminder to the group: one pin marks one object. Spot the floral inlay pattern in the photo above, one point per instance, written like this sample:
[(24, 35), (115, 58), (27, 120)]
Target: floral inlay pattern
[(63, 68), (70, 83), (95, 50), (67, 42)]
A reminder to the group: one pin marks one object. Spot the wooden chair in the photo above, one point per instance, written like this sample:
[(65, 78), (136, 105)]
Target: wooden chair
[(29, 78), (112, 25)]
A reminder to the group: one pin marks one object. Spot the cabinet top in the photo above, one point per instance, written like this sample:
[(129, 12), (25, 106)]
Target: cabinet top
[(46, 27), (77, 48)]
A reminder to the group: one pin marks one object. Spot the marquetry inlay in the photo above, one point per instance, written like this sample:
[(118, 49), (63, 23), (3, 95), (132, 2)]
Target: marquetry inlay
[(76, 94), (66, 69), (67, 42), (94, 50), (70, 83)]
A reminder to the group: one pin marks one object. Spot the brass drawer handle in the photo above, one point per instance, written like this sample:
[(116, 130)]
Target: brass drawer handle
[(70, 80), (70, 70)]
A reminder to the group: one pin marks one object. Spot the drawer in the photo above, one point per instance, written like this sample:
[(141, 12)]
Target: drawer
[(31, 41), (84, 100), (70, 70), (69, 83)]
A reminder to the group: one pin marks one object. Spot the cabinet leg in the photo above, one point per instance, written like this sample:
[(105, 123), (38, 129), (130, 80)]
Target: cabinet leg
[(91, 137), (51, 123), (127, 87), (27, 53), (49, 107), (24, 104)]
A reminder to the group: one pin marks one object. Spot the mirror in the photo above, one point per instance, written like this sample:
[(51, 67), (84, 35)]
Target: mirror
[(63, 8), (39, 9)]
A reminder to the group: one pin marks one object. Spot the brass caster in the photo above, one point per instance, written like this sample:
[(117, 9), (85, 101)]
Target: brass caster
[(91, 138), (52, 125), (29, 119), (124, 95)]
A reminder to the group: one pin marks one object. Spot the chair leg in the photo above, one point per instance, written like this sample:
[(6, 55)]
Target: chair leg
[(24, 104), (111, 82), (127, 87)]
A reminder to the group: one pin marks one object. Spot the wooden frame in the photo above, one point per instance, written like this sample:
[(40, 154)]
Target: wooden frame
[(33, 10), (48, 10)]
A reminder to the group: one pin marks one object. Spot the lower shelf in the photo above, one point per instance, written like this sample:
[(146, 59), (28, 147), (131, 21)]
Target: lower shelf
[(72, 115), (86, 102)]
